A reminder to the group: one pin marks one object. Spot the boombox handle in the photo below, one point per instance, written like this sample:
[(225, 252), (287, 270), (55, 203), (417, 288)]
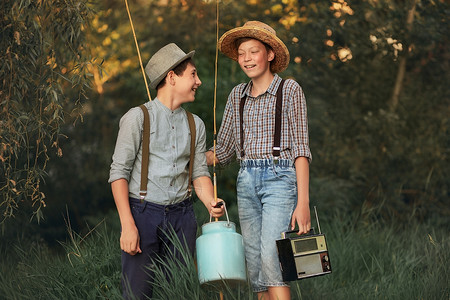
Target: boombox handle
[(317, 220), (311, 231)]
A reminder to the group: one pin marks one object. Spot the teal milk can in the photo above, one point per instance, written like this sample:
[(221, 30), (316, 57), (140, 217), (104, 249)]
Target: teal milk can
[(220, 253)]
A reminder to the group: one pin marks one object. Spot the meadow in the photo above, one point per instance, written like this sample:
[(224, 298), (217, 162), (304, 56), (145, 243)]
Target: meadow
[(370, 260)]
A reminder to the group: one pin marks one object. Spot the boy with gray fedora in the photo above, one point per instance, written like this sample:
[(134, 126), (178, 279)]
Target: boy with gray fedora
[(148, 215)]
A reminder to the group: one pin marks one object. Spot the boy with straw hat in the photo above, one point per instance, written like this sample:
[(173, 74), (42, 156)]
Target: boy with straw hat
[(148, 215), (273, 149)]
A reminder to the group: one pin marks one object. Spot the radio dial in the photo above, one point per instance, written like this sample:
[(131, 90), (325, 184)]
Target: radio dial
[(325, 258)]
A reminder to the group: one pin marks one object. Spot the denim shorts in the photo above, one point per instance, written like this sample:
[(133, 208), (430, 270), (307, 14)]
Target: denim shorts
[(267, 196)]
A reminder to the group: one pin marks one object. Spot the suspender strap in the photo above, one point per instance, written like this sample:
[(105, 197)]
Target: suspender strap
[(191, 158), (241, 120), (146, 151), (277, 131)]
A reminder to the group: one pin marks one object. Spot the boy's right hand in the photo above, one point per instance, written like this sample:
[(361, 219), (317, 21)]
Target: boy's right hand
[(210, 158), (129, 240)]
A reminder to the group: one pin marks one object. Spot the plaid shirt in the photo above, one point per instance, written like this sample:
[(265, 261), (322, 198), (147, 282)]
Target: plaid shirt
[(259, 123)]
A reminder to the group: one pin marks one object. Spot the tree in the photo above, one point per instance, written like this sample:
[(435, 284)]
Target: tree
[(44, 78)]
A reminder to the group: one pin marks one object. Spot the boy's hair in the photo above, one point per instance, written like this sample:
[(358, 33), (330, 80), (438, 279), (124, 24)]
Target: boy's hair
[(239, 41), (178, 70)]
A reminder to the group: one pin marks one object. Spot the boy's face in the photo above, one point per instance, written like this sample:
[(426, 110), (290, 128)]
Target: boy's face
[(254, 58), (187, 84)]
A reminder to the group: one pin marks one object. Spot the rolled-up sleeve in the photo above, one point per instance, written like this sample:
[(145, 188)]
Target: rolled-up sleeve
[(298, 123), (127, 145), (226, 139), (200, 167)]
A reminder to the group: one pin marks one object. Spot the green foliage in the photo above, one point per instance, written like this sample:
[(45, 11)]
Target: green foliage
[(394, 156), (44, 77)]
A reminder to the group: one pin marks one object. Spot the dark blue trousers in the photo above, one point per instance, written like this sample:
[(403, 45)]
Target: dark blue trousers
[(154, 222)]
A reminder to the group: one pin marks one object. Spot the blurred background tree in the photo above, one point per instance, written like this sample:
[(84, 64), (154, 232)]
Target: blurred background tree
[(375, 75), (44, 76)]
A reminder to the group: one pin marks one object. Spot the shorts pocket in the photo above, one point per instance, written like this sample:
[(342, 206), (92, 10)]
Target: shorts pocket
[(287, 174)]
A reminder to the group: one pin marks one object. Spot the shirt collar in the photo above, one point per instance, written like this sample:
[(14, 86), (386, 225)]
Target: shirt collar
[(272, 89)]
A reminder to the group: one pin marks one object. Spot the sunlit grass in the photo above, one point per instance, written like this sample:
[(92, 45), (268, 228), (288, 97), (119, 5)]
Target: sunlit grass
[(371, 261)]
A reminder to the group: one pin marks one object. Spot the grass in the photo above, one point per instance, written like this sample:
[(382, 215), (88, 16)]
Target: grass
[(369, 261)]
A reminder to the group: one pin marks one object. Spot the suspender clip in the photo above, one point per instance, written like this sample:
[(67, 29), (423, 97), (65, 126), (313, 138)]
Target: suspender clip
[(142, 195)]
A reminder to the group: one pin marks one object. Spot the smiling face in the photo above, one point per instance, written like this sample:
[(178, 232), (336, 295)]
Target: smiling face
[(254, 58), (187, 84)]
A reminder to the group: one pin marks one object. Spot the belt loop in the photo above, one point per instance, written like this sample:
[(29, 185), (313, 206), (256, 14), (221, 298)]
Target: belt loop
[(144, 206), (275, 160)]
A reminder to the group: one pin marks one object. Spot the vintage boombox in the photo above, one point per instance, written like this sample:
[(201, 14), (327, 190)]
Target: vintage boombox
[(303, 256)]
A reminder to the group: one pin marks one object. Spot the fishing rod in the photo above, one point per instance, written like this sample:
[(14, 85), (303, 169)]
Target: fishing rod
[(215, 101)]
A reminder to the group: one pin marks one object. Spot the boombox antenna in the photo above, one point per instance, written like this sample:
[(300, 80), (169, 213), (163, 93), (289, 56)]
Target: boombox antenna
[(317, 219)]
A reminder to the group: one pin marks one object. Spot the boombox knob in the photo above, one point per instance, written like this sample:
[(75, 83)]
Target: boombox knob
[(325, 258)]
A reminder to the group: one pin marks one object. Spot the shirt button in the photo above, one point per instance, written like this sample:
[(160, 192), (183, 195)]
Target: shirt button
[(174, 165), (173, 147), (173, 127)]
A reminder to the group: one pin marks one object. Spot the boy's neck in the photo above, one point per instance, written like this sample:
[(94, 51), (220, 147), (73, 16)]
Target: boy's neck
[(167, 98), (261, 84)]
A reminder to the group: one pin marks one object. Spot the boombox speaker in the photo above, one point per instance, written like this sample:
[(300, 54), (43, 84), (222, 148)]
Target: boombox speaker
[(303, 256)]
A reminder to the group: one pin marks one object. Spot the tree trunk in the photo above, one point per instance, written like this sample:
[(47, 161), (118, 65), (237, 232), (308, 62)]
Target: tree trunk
[(393, 103)]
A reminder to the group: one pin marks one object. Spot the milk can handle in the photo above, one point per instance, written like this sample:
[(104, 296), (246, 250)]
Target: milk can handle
[(226, 212)]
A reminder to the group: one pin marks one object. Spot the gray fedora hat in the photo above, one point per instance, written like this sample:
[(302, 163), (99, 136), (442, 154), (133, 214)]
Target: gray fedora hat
[(167, 58)]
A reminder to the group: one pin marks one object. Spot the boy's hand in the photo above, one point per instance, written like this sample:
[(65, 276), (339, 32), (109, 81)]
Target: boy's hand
[(302, 217), (210, 158), (217, 208), (129, 240)]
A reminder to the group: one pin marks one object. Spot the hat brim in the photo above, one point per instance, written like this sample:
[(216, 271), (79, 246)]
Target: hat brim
[(227, 45), (155, 82)]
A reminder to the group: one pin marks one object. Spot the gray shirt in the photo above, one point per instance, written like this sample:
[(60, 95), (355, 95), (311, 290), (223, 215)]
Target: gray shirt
[(170, 141)]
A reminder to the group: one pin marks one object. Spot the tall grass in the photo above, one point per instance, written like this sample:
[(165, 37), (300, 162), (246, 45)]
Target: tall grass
[(88, 269), (378, 261), (369, 261)]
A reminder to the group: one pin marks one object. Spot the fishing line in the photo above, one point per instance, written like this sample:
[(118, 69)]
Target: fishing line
[(137, 48)]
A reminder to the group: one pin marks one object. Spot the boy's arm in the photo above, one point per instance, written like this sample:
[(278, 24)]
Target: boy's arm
[(301, 214), (225, 138), (129, 237), (205, 192)]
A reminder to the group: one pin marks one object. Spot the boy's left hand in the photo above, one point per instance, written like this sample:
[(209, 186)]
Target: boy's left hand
[(302, 217)]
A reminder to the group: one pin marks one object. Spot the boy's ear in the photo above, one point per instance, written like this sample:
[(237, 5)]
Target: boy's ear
[(170, 77), (271, 55)]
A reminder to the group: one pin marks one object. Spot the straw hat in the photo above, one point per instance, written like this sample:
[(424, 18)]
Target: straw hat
[(262, 32), (166, 59)]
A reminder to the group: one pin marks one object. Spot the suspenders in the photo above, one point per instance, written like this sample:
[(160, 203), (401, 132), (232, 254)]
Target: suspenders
[(146, 151), (277, 132)]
